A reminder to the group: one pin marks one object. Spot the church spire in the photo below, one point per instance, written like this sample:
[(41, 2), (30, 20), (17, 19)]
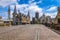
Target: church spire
[(37, 15), (15, 9), (28, 14), (58, 10), (8, 12)]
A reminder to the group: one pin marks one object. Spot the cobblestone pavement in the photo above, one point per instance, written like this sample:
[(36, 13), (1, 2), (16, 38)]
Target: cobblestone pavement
[(28, 32)]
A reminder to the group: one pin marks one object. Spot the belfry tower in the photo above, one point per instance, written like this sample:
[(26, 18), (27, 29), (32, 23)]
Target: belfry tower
[(58, 10), (28, 18), (57, 19), (58, 15), (15, 9), (9, 12), (37, 15), (14, 15), (28, 14)]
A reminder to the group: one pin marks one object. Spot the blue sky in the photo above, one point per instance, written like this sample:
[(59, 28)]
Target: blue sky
[(48, 7)]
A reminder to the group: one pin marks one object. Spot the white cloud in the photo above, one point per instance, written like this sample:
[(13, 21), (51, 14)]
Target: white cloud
[(22, 7), (52, 8), (19, 6), (4, 15), (30, 1), (53, 15), (35, 8), (53, 11), (25, 7), (32, 7), (39, 1), (33, 2), (11, 15), (4, 3)]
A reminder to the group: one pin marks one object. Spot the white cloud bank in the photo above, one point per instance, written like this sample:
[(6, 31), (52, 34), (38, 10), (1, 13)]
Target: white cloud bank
[(52, 8), (4, 3), (32, 7), (53, 14), (24, 8)]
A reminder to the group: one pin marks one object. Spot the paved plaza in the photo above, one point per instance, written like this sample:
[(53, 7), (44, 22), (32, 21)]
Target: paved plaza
[(28, 32)]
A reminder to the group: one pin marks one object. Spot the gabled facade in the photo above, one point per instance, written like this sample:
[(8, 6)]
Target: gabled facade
[(57, 19), (43, 19), (19, 18)]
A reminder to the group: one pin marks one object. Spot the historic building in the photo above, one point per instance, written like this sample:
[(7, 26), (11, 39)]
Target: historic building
[(28, 18), (19, 18), (37, 15), (48, 19), (8, 21), (9, 12), (35, 20), (57, 19), (1, 21), (43, 19)]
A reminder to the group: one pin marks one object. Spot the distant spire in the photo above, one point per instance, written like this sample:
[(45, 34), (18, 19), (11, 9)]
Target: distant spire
[(9, 8), (58, 10), (15, 9), (37, 15), (28, 14), (9, 12)]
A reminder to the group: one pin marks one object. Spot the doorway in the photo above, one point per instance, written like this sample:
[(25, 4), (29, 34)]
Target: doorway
[(59, 21)]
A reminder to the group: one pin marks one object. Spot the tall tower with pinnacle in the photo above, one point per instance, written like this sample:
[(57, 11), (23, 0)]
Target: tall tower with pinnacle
[(28, 14), (37, 15), (58, 11), (14, 15), (28, 18), (58, 16), (9, 12), (15, 9)]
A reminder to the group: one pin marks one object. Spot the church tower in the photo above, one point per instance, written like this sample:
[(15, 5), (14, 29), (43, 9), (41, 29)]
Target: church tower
[(57, 19), (58, 16), (28, 18), (58, 10), (9, 12), (15, 9), (28, 14), (37, 15), (14, 15)]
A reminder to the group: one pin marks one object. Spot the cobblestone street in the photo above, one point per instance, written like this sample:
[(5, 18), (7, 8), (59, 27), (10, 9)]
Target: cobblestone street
[(28, 32)]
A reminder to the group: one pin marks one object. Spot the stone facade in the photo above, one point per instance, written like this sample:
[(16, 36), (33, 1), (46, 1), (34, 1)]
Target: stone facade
[(48, 19), (35, 20), (9, 12), (19, 18), (57, 19), (37, 15), (43, 19), (1, 21)]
